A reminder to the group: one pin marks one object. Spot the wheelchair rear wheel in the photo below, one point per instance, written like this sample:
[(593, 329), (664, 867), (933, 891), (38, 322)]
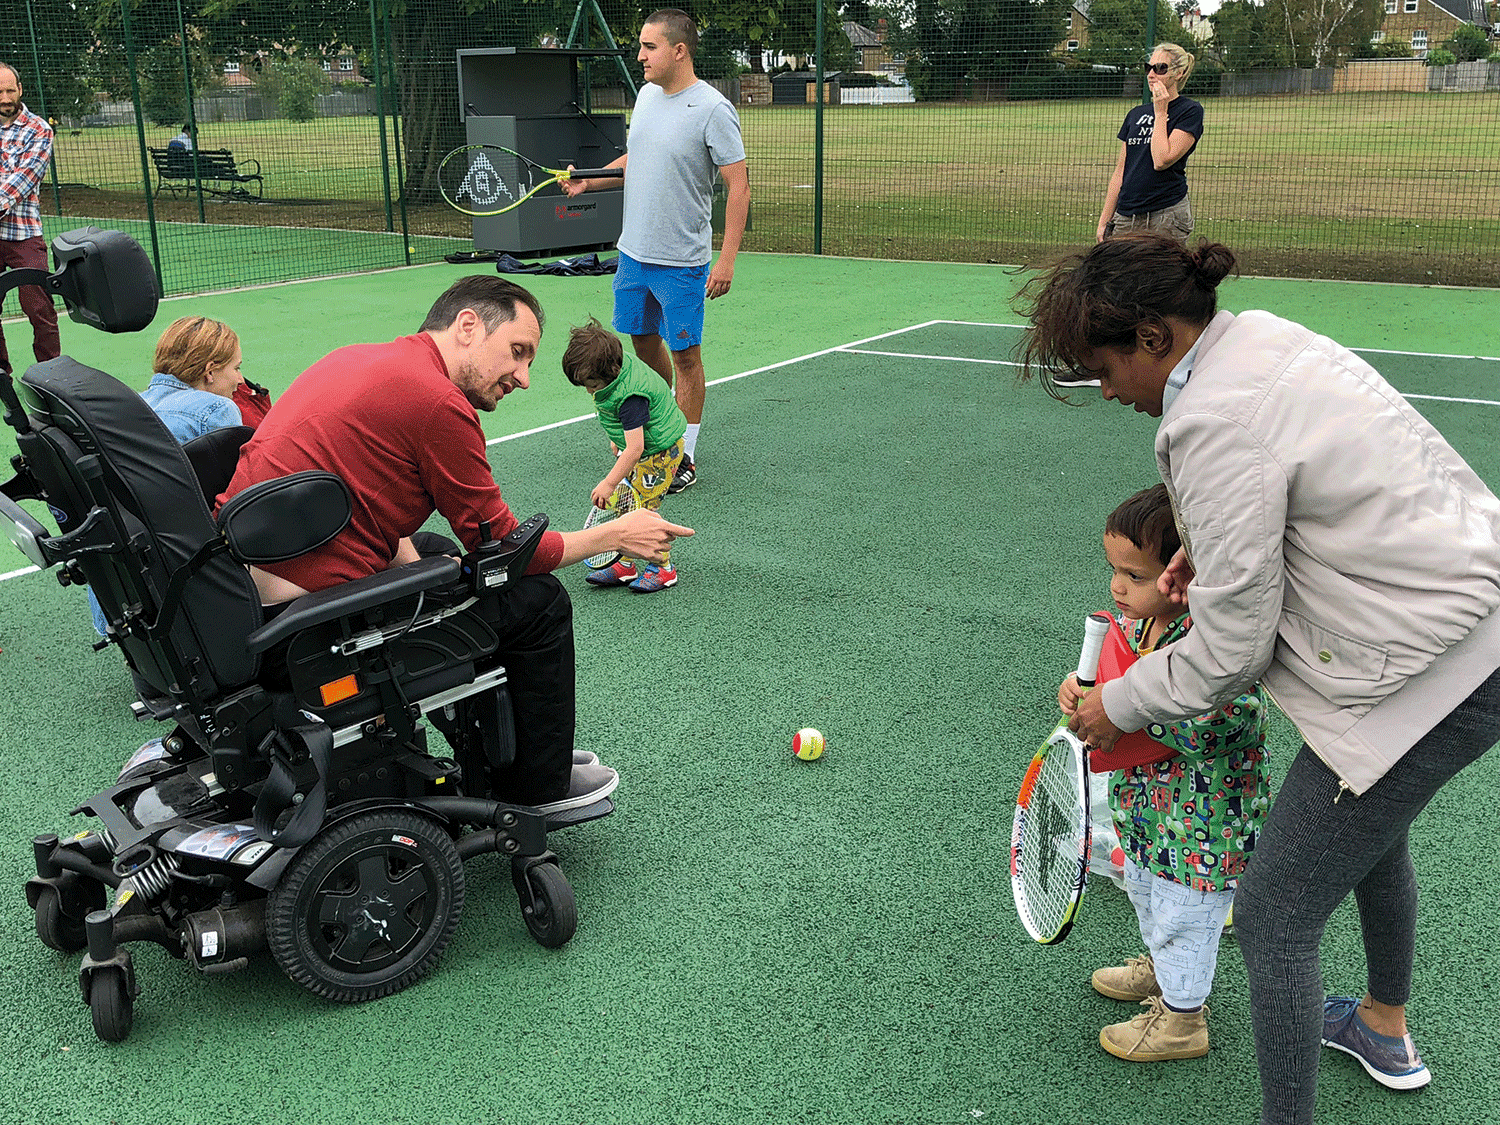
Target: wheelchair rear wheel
[(367, 907)]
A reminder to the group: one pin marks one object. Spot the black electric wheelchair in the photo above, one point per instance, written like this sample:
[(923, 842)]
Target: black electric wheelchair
[(293, 803)]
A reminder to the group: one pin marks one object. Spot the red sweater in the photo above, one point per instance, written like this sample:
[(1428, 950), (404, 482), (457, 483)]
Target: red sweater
[(388, 420)]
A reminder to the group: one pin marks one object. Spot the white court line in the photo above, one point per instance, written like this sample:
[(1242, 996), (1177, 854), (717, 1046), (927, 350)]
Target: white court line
[(732, 378), (918, 355), (1009, 363)]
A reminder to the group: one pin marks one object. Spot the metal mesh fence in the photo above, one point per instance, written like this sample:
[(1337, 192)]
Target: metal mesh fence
[(970, 130)]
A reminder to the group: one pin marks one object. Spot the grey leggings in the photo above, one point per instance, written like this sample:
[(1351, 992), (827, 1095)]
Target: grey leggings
[(1310, 855)]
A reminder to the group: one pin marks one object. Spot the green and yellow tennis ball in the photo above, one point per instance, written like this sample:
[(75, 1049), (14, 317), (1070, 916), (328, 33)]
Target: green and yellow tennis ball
[(807, 744)]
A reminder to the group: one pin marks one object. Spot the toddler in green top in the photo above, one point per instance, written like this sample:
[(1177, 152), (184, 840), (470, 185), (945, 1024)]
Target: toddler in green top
[(645, 427)]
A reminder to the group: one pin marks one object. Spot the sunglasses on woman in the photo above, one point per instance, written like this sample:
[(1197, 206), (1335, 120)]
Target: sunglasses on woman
[(1158, 67)]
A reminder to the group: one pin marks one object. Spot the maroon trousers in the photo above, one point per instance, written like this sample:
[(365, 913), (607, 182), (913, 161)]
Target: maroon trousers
[(36, 303)]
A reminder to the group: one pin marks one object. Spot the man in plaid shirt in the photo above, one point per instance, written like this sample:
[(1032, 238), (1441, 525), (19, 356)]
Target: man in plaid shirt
[(25, 149)]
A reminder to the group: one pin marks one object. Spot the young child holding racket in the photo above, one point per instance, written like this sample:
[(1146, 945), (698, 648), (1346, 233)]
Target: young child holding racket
[(645, 427), (1187, 824)]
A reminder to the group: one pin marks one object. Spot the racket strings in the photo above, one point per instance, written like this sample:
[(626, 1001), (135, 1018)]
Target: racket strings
[(1050, 863), (492, 179)]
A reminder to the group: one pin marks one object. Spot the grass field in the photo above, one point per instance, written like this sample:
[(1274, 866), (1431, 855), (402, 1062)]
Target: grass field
[(1366, 186)]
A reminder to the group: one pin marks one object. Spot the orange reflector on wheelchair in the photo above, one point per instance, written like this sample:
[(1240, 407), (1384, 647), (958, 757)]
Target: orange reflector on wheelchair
[(339, 690)]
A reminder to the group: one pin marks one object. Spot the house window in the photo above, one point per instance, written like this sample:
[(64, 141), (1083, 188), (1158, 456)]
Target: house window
[(1072, 44), (346, 65), (1390, 7), (1419, 39), (231, 68), (1410, 6), (327, 66), (1378, 37)]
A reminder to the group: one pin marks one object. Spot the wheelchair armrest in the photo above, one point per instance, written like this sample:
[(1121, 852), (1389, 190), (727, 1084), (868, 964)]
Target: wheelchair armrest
[(496, 564), (354, 597), (282, 518)]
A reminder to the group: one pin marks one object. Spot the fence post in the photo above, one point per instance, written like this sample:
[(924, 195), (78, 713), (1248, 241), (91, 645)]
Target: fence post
[(385, 158), (140, 136), (41, 95), (395, 81), (192, 120), (818, 132)]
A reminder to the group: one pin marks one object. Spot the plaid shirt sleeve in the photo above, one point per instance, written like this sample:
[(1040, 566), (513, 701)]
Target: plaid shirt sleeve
[(25, 148)]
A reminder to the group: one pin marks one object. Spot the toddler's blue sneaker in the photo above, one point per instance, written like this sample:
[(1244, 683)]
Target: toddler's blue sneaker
[(1390, 1060), (620, 574), (654, 578)]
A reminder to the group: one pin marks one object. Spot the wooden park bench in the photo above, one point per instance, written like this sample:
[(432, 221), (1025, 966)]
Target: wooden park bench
[(221, 174)]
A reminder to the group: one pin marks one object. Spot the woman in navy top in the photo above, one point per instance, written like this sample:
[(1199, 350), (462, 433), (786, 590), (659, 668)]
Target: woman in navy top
[(1149, 187)]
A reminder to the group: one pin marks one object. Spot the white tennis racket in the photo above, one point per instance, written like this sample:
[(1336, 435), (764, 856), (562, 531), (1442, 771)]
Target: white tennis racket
[(1050, 835), (625, 499)]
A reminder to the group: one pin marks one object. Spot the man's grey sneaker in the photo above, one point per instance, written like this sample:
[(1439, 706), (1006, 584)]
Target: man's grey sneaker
[(1390, 1060), (687, 474), (589, 783), (584, 758)]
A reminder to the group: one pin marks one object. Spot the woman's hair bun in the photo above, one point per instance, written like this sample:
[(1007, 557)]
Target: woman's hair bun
[(1213, 261)]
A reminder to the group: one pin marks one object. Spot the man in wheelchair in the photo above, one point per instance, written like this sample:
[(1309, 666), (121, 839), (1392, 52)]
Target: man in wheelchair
[(397, 423), (293, 804)]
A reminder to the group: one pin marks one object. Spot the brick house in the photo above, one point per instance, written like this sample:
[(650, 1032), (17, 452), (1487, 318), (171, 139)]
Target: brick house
[(340, 66), (1425, 24), (871, 55), (1075, 29)]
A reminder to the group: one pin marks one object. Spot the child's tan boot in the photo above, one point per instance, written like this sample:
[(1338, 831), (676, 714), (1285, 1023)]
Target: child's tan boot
[(1158, 1034), (1134, 980)]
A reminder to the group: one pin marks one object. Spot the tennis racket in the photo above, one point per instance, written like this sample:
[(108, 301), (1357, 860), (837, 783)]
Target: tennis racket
[(490, 180), (1050, 837), (625, 499)]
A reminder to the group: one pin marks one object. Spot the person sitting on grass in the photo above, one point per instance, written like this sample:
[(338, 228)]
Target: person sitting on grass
[(645, 428), (1187, 824)]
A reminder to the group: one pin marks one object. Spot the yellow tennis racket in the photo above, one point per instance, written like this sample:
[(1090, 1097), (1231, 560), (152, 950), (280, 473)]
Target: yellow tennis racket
[(485, 180)]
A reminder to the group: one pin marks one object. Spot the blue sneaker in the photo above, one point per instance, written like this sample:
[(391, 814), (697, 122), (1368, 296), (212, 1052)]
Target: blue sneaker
[(1390, 1060), (620, 574), (654, 578)]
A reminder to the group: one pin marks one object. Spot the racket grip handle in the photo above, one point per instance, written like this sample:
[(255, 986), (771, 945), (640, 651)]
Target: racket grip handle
[(597, 174), (1095, 629)]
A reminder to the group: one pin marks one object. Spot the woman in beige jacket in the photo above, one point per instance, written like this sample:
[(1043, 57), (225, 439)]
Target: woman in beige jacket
[(1339, 550)]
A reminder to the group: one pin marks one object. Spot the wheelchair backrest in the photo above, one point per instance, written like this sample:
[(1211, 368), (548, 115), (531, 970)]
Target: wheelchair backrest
[(82, 417)]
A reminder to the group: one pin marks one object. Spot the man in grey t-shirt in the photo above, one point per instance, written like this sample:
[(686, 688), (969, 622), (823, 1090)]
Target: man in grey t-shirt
[(683, 132)]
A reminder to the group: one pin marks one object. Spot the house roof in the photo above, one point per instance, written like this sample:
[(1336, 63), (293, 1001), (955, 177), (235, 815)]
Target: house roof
[(861, 36), (1470, 11)]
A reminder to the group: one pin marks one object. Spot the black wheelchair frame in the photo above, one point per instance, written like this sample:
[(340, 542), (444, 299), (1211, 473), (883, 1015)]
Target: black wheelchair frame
[(293, 806)]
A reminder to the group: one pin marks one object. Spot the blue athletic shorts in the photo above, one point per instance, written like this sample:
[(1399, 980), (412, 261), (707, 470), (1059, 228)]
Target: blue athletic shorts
[(665, 301)]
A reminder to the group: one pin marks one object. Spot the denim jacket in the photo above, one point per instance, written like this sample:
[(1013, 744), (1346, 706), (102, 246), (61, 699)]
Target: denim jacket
[(187, 412)]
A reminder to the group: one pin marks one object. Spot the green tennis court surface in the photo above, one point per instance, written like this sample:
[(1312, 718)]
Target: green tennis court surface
[(895, 548)]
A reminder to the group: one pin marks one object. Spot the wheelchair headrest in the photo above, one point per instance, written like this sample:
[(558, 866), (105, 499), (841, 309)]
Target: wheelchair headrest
[(105, 279)]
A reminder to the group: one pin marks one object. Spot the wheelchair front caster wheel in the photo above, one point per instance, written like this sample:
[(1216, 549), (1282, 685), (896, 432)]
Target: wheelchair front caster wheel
[(53, 926), (111, 1004), (547, 903)]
